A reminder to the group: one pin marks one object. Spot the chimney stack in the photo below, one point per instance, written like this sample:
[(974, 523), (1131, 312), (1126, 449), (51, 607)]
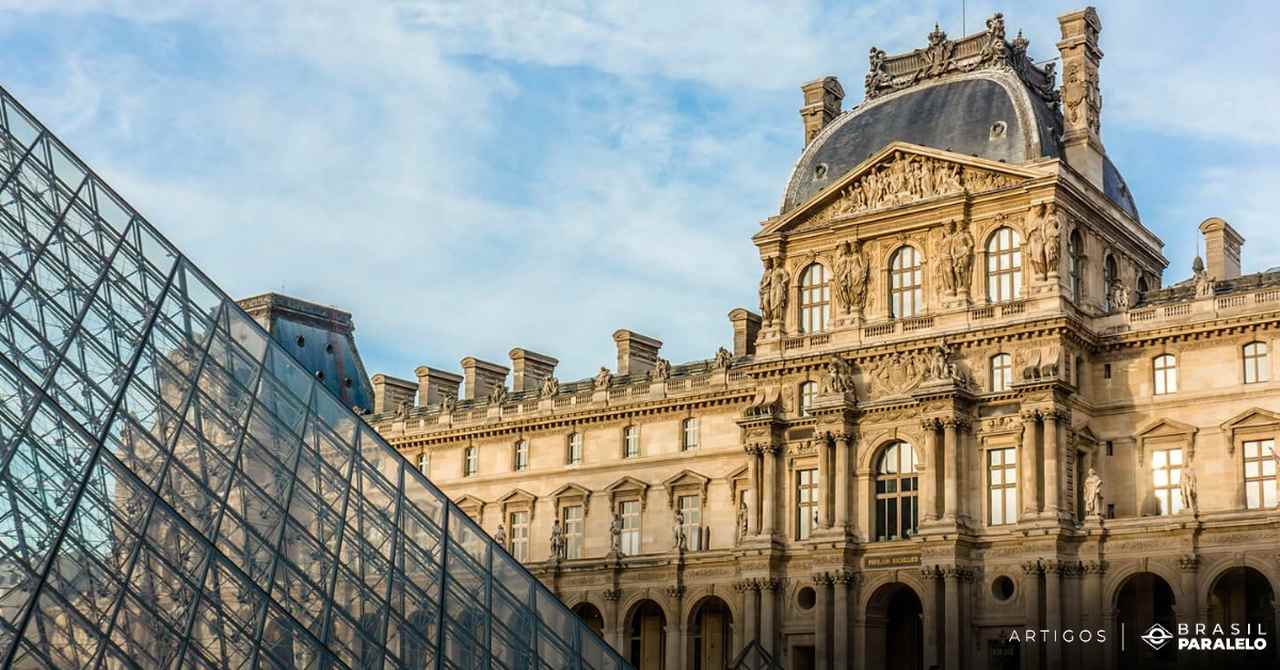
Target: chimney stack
[(530, 369), (389, 392), (746, 327), (1221, 248), (822, 102), (434, 385), (1081, 94), (637, 354), (479, 377)]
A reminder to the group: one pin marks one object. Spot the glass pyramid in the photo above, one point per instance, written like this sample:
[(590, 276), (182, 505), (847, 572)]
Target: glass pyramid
[(176, 491)]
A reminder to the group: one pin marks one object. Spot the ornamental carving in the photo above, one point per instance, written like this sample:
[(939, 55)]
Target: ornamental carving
[(661, 370), (839, 378), (957, 247), (907, 178), (550, 387), (773, 292), (904, 371), (722, 360), (1039, 363), (602, 380), (1044, 240), (498, 394), (851, 277), (985, 50)]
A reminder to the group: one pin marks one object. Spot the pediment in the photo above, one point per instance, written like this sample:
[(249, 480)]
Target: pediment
[(1252, 418), (900, 175), (685, 480), (571, 492), (518, 496), (628, 486), (473, 506), (1086, 434), (1166, 428)]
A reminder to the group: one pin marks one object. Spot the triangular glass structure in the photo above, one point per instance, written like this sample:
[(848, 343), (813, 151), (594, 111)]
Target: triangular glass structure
[(176, 491)]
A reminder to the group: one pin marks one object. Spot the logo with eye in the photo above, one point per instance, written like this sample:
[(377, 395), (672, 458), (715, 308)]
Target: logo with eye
[(1157, 636)]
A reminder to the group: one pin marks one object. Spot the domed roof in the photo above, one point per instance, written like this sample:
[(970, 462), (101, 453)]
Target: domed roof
[(987, 102)]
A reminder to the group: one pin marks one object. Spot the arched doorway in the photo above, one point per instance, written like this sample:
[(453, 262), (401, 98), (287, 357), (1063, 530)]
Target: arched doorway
[(710, 635), (1243, 596), (1143, 601), (895, 629), (646, 636), (590, 615)]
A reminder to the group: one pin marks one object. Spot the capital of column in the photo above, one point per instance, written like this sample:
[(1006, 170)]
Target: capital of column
[(930, 424), (822, 578), (753, 449), (744, 585), (612, 594), (770, 583), (930, 573), (956, 422), (847, 576), (1030, 416), (1033, 567), (956, 573), (1094, 567), (675, 591), (1189, 562)]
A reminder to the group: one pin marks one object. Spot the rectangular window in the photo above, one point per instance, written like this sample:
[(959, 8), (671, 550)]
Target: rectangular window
[(1001, 372), (1255, 363), (806, 503), (689, 435), (470, 461), (1166, 479), (1106, 371), (1260, 474), (424, 464), (691, 508), (1002, 476), (630, 511), (572, 522), (631, 442), (574, 449), (519, 535), (1166, 374), (521, 459), (808, 396)]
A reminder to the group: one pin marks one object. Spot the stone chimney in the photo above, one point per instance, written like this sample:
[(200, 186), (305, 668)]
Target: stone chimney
[(434, 385), (746, 326), (530, 369), (637, 354), (479, 377), (1081, 95), (389, 392), (1221, 248), (822, 101)]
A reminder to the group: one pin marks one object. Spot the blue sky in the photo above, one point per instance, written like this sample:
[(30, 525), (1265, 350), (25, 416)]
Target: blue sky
[(467, 177)]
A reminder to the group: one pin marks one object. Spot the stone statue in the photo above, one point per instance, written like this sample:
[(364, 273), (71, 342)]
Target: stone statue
[(550, 388), (603, 378), (501, 536), (722, 360), (402, 410), (661, 370), (839, 378), (1119, 296), (1190, 499), (876, 76), (615, 534), (447, 403), (557, 541), (766, 293), (1203, 280), (938, 362), (742, 520), (1035, 249), (498, 394), (778, 282), (1052, 239), (851, 278), (960, 250), (678, 534), (1093, 494)]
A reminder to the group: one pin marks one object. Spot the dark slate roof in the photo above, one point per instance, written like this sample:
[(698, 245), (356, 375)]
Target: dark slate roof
[(953, 115)]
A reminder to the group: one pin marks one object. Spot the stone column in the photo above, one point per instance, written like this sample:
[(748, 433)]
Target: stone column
[(675, 639), (824, 483), (821, 621), (1092, 609), (842, 481), (1052, 466), (753, 501), (953, 628), (750, 592), (767, 622), (951, 498), (840, 659), (770, 491), (614, 634), (1031, 571), (930, 614), (929, 485), (1188, 605), (1030, 468), (1053, 612)]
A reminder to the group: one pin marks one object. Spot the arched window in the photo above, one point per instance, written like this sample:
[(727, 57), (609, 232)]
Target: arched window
[(1075, 260), (1165, 369), (896, 486), (1004, 265), (1109, 275), (815, 299), (1142, 288), (1001, 372), (808, 394), (520, 456), (906, 292), (1256, 363)]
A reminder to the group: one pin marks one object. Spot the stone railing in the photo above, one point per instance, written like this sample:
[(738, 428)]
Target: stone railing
[(1199, 308)]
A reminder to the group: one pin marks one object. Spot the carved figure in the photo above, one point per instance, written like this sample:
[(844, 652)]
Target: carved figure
[(557, 541), (1035, 246), (722, 360), (960, 249), (773, 291), (500, 536), (1190, 499), (603, 379), (994, 50), (1093, 494), (498, 394), (447, 403), (678, 533), (1203, 281), (661, 370), (936, 58), (1119, 296), (851, 278), (876, 76), (839, 378), (550, 388), (402, 410), (1052, 238), (615, 534), (742, 520)]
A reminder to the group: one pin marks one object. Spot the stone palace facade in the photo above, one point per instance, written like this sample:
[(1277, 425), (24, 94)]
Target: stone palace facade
[(967, 406)]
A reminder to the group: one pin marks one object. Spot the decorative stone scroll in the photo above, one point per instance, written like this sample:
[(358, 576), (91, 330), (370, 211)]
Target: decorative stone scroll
[(941, 57), (907, 178), (904, 371)]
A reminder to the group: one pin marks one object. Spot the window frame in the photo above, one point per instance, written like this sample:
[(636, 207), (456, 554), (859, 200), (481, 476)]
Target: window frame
[(1001, 369), (883, 498), (692, 520), (1168, 495), (470, 461), (1261, 480), (690, 433), (1004, 282), (520, 455), (1164, 374), (518, 544), (1002, 486), (808, 396), (574, 448), (1259, 363), (423, 463), (1075, 255), (630, 439), (815, 299), (574, 540), (906, 300), (1110, 270), (630, 535), (808, 498)]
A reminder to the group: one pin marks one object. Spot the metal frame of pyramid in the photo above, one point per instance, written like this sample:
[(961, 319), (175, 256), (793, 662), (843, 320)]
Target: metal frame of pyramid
[(177, 491)]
